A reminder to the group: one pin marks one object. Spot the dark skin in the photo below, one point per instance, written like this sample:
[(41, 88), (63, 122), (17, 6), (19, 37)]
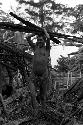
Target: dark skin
[(40, 66)]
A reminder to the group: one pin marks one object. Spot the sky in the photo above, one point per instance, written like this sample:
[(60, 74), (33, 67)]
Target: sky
[(71, 3), (56, 51)]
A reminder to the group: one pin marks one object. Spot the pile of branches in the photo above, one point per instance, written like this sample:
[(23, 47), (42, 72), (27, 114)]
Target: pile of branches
[(20, 110), (14, 59)]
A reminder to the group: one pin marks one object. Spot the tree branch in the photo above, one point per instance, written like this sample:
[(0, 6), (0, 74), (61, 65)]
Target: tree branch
[(32, 28)]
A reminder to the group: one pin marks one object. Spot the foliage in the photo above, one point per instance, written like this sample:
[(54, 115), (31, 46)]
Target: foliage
[(63, 64), (74, 64), (45, 14), (77, 13)]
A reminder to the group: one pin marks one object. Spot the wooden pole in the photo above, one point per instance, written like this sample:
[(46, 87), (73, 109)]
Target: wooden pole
[(80, 74), (80, 71), (68, 72), (71, 78), (68, 79)]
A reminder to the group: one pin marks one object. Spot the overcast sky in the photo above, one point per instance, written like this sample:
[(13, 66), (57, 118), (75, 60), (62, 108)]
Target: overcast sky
[(71, 3), (56, 51)]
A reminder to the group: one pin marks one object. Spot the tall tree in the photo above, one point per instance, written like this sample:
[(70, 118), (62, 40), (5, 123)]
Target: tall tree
[(45, 13)]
